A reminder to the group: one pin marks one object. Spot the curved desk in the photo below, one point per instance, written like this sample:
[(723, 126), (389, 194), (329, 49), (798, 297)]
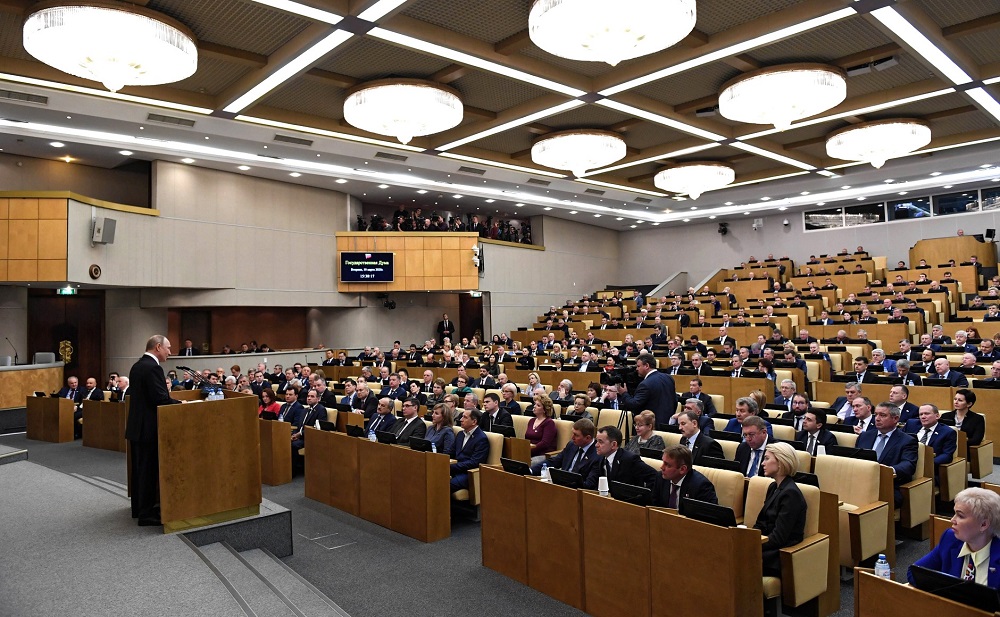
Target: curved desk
[(20, 381)]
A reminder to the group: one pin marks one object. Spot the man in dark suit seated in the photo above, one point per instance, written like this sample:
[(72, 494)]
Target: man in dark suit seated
[(313, 411), (579, 455), (292, 411), (861, 418), (813, 432), (905, 375), (383, 419), (410, 425), (494, 414), (942, 370), (364, 401), (750, 452), (800, 405), (678, 480), (843, 405), (655, 391), (616, 464), (928, 431), (90, 392), (898, 396), (694, 391), (861, 374), (696, 439), (470, 449), (394, 390), (994, 372), (786, 390), (895, 448), (71, 390), (484, 381)]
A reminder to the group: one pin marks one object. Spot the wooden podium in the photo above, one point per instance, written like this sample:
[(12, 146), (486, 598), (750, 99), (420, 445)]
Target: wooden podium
[(50, 419), (104, 425), (873, 595), (209, 461), (275, 452)]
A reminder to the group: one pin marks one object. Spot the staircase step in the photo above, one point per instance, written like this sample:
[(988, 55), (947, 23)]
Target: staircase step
[(310, 600), (255, 593)]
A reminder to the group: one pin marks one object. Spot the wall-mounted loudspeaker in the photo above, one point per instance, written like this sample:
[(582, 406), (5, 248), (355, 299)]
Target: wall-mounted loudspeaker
[(104, 230)]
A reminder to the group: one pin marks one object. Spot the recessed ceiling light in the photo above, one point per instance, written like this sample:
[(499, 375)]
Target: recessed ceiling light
[(685, 220), (457, 196), (125, 152), (822, 203), (782, 208), (421, 192), (489, 201), (804, 193), (694, 207), (573, 212), (597, 216), (56, 144), (340, 181), (746, 213), (383, 186), (188, 161), (903, 192), (295, 174), (986, 166), (729, 203), (846, 187), (619, 218), (862, 198), (244, 168), (712, 217), (632, 226), (935, 173), (640, 222), (765, 199), (518, 205), (68, 159), (947, 186), (546, 209), (656, 224), (888, 181)]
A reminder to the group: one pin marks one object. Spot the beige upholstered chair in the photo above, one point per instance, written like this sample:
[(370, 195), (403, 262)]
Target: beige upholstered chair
[(864, 503)]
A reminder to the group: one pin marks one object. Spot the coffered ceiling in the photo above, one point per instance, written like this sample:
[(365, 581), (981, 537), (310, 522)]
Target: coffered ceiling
[(287, 66)]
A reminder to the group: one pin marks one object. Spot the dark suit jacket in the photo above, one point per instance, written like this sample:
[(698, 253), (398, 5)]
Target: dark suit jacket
[(368, 407), (956, 379), (744, 455), (694, 486), (399, 394), (944, 558), (911, 379), (294, 414), (310, 416), (627, 468), (384, 424), (944, 440), (486, 383), (823, 438), (564, 460), (486, 421), (782, 519), (148, 390), (900, 453), (706, 400), (705, 446), (404, 431), (656, 392), (974, 426), (77, 396), (471, 456), (908, 412), (870, 423)]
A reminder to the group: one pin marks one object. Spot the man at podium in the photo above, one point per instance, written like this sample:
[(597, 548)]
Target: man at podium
[(148, 389)]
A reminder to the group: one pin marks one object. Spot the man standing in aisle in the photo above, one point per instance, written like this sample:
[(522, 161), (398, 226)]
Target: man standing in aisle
[(148, 390)]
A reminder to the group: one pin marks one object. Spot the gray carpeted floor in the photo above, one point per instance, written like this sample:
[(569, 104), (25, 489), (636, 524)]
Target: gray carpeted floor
[(369, 570)]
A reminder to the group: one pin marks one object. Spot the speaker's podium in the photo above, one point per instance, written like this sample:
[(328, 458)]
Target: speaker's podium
[(50, 419), (104, 425), (209, 460)]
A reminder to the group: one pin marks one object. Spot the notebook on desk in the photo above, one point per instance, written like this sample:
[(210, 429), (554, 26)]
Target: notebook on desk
[(956, 589)]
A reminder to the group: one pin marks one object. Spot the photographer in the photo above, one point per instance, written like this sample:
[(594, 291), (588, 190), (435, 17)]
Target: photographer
[(655, 391)]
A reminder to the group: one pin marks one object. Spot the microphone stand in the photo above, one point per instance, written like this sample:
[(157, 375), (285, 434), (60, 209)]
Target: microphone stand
[(14, 348)]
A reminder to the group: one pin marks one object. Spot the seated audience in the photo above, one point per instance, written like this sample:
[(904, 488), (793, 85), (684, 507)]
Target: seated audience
[(579, 454), (679, 480), (470, 449), (644, 424), (964, 419), (440, 432), (783, 516), (970, 549), (616, 464), (541, 430)]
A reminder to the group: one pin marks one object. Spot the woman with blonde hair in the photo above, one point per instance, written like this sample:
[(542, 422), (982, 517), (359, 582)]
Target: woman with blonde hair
[(782, 518)]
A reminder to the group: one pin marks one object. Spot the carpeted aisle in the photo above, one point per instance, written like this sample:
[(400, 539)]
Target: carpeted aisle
[(101, 564)]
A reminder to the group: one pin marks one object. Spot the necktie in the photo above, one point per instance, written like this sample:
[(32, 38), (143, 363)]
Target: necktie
[(926, 437), (375, 423), (607, 469), (672, 499), (811, 448), (970, 569), (576, 459), (72, 394), (879, 445), (752, 470)]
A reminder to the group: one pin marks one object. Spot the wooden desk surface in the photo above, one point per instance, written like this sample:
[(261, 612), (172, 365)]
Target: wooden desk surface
[(616, 541), (20, 382), (555, 542), (503, 509)]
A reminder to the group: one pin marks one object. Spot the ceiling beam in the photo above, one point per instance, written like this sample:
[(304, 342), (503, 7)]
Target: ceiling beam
[(231, 54), (513, 43), (521, 154), (16, 7), (980, 24), (478, 114), (450, 73), (527, 108), (805, 142), (330, 78), (538, 128), (947, 113), (867, 56), (625, 125), (926, 25), (742, 62), (696, 38)]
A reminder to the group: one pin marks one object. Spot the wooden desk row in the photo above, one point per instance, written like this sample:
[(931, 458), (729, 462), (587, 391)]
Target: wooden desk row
[(609, 558), (875, 597), (392, 486)]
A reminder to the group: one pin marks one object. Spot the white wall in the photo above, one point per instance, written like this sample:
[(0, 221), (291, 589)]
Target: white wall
[(129, 186), (14, 322), (128, 326), (578, 259), (414, 320), (699, 250)]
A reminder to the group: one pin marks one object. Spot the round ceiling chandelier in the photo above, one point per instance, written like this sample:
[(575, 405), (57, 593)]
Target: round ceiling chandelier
[(403, 108), (578, 150), (876, 142), (603, 31), (117, 44), (780, 95), (695, 178)]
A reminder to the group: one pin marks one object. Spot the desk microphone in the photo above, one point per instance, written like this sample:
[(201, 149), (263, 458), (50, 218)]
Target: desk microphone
[(14, 348)]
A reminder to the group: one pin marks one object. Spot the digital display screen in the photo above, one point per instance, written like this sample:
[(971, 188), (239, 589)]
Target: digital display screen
[(366, 267)]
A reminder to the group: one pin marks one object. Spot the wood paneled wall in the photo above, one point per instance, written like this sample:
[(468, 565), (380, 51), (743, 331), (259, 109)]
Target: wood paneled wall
[(33, 239), (423, 261)]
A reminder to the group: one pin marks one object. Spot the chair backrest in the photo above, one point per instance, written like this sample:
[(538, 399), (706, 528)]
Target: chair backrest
[(853, 480), (6, 361), (728, 448), (655, 463), (805, 461), (564, 433), (832, 418), (520, 425), (670, 439), (720, 423), (524, 405), (496, 448), (480, 393), (720, 403), (811, 495), (44, 357), (783, 431), (729, 487), (849, 440), (616, 417), (756, 493)]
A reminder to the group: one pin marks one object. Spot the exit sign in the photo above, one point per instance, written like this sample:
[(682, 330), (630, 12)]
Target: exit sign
[(66, 291)]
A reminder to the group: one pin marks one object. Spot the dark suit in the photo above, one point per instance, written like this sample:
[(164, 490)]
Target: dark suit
[(899, 452), (84, 395), (403, 430), (655, 392), (956, 379), (309, 418), (944, 558), (446, 328), (744, 456), (486, 421), (565, 459), (783, 520), (694, 486), (974, 425), (468, 457), (911, 378), (379, 423), (486, 383), (75, 395), (944, 440), (367, 406), (869, 423), (189, 352), (705, 399), (396, 394), (148, 390), (908, 412), (823, 438), (292, 413), (627, 468), (704, 446)]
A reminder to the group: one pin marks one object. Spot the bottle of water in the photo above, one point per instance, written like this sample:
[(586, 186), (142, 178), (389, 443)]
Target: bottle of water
[(434, 447), (544, 473), (882, 568), (371, 436)]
